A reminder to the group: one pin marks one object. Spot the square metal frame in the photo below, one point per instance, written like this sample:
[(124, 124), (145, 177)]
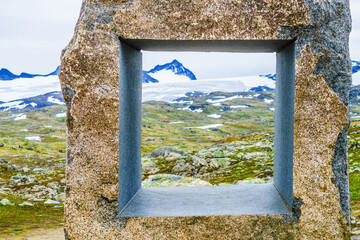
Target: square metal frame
[(135, 201)]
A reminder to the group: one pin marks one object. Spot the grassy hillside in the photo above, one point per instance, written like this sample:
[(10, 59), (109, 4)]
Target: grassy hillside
[(224, 138)]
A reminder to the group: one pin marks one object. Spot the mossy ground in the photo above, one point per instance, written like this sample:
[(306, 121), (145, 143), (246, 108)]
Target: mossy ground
[(163, 124)]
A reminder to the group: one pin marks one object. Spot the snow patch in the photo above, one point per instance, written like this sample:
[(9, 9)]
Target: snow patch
[(33, 104), (168, 76), (356, 79), (212, 101), (20, 117), (217, 104), (272, 109), (61, 115), (55, 100), (13, 105), (216, 116), (268, 100), (238, 106), (198, 110), (177, 122), (34, 138), (208, 126)]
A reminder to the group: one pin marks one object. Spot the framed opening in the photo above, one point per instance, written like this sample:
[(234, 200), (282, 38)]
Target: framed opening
[(274, 198)]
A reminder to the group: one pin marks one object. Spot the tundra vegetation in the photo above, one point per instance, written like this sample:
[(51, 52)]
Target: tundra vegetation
[(215, 139)]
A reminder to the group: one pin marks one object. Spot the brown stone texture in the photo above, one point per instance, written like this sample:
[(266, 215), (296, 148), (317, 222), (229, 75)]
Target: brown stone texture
[(319, 118), (89, 76)]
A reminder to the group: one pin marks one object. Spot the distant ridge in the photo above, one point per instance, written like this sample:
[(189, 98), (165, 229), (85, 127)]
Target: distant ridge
[(6, 75), (40, 101)]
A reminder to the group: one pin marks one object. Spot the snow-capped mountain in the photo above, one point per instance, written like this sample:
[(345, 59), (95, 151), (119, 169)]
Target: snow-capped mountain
[(169, 72), (261, 89), (45, 100), (147, 79), (167, 82), (6, 75)]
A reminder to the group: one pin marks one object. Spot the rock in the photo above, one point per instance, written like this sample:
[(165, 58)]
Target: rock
[(165, 152), (356, 232), (182, 167), (219, 154), (3, 161), (22, 179), (171, 180), (25, 169), (60, 197), (222, 162), (26, 204), (230, 148), (6, 202), (213, 163), (62, 182), (197, 161), (148, 166), (53, 185), (2, 144), (50, 202), (202, 153), (12, 168), (251, 155), (173, 156), (38, 170)]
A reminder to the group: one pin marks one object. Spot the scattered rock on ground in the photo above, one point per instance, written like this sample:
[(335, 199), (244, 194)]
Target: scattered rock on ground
[(6, 202), (26, 204), (165, 152), (171, 180)]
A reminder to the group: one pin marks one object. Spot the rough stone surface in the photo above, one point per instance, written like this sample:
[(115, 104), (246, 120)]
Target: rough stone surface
[(89, 76), (165, 152)]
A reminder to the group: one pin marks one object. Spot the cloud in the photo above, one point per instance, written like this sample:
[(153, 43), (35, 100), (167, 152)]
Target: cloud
[(355, 33), (35, 32)]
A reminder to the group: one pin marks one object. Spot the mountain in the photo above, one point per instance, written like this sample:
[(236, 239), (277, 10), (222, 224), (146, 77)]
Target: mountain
[(6, 75), (355, 66), (45, 100), (174, 82), (261, 89), (147, 79), (169, 72), (269, 76)]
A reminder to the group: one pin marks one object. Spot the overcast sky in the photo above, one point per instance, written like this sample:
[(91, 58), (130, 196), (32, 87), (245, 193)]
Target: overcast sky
[(33, 33)]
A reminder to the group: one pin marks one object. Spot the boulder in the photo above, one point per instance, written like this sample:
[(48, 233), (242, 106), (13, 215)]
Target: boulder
[(51, 202), (165, 152), (6, 202), (27, 204)]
